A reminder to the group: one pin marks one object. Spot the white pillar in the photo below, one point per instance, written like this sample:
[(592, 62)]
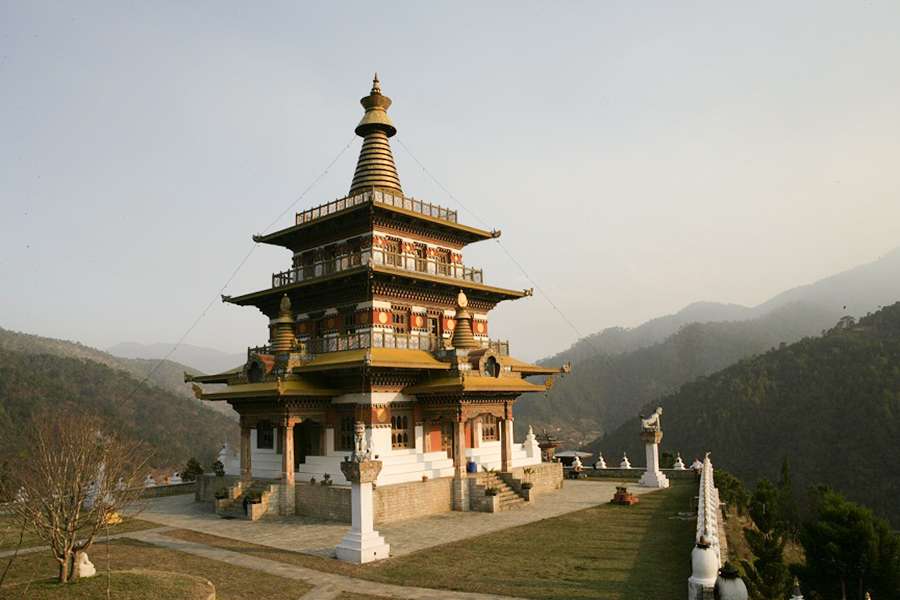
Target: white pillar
[(329, 441), (362, 543), (420, 438), (652, 477)]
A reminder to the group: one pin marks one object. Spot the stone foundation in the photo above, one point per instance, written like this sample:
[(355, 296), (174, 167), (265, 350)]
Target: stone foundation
[(207, 485)]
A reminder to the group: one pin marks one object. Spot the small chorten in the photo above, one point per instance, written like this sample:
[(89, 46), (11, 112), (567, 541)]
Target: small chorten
[(625, 464), (282, 336), (679, 464), (796, 594), (375, 168), (601, 463), (462, 333), (149, 481)]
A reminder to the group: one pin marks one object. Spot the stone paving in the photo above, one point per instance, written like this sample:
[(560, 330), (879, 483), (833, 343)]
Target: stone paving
[(316, 537)]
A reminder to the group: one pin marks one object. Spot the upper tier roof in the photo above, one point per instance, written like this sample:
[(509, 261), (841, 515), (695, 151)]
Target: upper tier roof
[(328, 215)]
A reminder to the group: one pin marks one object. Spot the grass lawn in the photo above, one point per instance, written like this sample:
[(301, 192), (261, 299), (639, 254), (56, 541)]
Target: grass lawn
[(10, 528), (609, 552), (232, 583), (123, 585)]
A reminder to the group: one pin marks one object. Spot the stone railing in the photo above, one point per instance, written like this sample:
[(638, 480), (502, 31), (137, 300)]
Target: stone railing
[(376, 196), (376, 256), (710, 547)]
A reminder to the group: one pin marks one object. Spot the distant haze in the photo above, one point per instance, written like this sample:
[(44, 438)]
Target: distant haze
[(638, 157)]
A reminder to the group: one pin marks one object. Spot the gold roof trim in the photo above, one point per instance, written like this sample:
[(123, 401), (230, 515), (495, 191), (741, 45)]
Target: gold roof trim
[(374, 357), (267, 389), (474, 383)]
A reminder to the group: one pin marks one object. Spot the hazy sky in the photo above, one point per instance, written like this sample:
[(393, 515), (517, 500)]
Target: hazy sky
[(638, 156)]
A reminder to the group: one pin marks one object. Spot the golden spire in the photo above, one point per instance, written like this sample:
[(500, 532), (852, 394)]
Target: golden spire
[(282, 337), (375, 167)]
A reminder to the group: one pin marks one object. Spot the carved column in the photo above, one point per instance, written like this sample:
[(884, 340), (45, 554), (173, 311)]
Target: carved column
[(460, 479), (287, 489), (246, 467), (506, 440)]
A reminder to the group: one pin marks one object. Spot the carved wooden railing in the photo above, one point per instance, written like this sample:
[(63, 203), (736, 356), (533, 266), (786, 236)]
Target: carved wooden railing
[(411, 204), (375, 256)]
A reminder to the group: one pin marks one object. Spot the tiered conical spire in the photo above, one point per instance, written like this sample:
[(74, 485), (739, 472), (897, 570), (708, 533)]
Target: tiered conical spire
[(375, 168)]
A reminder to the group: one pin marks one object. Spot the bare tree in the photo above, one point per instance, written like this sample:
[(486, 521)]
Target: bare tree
[(69, 480)]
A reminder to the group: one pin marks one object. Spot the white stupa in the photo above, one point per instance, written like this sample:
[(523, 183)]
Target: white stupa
[(175, 478), (149, 481), (600, 464), (679, 464), (625, 464)]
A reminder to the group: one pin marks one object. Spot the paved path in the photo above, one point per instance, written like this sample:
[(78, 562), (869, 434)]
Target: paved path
[(327, 585), (310, 536)]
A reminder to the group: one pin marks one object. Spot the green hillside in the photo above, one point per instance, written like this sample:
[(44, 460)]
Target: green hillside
[(176, 428), (604, 391), (831, 405), (167, 374)]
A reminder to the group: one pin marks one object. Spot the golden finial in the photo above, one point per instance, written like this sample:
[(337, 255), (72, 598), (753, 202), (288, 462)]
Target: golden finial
[(376, 85)]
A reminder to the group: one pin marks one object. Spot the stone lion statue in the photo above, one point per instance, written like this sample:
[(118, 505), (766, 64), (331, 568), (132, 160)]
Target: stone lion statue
[(652, 422)]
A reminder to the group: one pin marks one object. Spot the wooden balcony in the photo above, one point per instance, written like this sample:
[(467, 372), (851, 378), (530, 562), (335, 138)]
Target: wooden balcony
[(373, 256), (379, 197), (377, 339)]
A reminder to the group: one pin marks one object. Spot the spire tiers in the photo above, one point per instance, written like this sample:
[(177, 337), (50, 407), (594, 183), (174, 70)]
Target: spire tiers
[(375, 167), (462, 333)]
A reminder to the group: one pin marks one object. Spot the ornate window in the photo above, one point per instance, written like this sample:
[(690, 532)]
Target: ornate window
[(442, 257), (346, 433), (400, 318), (400, 434), (265, 436), (393, 252), (489, 429), (421, 257)]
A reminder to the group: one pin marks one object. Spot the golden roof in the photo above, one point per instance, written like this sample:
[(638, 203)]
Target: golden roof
[(373, 357), (471, 382), (267, 389)]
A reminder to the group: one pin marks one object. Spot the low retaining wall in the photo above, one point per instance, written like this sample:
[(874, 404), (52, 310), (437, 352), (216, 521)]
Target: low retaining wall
[(544, 477), (635, 473), (174, 489), (322, 501), (207, 485), (390, 502)]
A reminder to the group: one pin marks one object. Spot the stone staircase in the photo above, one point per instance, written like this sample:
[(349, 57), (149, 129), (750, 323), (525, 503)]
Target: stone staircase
[(507, 497), (232, 507)]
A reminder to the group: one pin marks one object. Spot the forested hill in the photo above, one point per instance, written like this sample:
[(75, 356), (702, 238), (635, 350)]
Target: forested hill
[(602, 392), (166, 374), (174, 427), (831, 405)]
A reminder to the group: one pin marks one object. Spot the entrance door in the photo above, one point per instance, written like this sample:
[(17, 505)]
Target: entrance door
[(307, 441), (447, 439)]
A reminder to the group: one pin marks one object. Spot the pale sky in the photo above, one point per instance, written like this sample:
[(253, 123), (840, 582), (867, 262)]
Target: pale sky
[(638, 156)]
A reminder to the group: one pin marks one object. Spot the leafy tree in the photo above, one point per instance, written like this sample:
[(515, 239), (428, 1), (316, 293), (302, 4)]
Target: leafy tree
[(192, 470), (218, 468), (848, 550), (767, 576), (787, 502), (731, 491)]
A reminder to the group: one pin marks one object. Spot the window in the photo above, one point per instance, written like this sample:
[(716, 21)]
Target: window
[(400, 431), (421, 257), (265, 436), (329, 254), (393, 249), (491, 367), (354, 248), (442, 257), (400, 318), (489, 428), (346, 433), (308, 261)]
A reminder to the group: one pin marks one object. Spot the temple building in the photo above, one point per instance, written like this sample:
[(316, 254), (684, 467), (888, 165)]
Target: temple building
[(377, 321)]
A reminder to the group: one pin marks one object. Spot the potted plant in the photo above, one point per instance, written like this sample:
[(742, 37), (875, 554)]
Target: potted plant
[(527, 472), (424, 478), (491, 491), (218, 468), (326, 479), (254, 497), (312, 481)]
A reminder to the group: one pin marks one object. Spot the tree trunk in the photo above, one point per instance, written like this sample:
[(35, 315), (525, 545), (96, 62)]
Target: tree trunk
[(75, 571), (843, 589), (64, 569)]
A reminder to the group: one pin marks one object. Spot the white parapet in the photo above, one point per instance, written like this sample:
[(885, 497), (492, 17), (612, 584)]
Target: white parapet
[(706, 557)]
